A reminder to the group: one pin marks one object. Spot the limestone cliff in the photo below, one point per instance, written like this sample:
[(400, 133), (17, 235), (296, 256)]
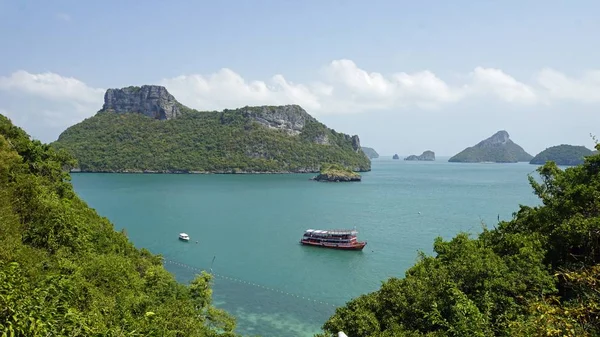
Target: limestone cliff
[(498, 148), (150, 100), (425, 156), (289, 118)]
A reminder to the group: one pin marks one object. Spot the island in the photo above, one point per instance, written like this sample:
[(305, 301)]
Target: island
[(396, 156), (426, 156), (565, 155), (498, 148), (370, 152), (336, 173), (146, 130)]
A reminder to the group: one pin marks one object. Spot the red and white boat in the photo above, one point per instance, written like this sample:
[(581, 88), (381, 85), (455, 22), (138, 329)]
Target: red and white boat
[(336, 238)]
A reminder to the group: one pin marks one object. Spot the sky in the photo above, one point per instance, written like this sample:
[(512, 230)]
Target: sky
[(406, 76)]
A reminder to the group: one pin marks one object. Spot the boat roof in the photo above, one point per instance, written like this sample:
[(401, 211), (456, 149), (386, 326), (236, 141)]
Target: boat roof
[(332, 231), (183, 234)]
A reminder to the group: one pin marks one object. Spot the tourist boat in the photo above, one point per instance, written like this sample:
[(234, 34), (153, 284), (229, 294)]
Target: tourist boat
[(184, 237), (336, 239)]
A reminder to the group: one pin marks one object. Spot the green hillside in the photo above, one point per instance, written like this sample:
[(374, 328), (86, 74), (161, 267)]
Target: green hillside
[(567, 155), (65, 271)]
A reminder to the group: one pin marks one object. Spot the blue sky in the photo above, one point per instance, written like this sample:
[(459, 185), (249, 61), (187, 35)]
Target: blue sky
[(404, 76)]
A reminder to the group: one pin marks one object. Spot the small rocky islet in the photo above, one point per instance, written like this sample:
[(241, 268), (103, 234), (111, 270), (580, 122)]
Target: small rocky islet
[(336, 173), (425, 156)]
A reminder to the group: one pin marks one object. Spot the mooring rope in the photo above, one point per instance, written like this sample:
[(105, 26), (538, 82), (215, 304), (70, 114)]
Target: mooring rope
[(229, 278)]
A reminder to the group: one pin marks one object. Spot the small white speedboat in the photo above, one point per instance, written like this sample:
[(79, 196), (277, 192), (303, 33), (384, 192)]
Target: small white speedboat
[(184, 237)]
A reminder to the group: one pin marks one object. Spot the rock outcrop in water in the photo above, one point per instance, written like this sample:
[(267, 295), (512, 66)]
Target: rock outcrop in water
[(396, 156), (425, 156), (498, 148), (150, 100), (336, 173)]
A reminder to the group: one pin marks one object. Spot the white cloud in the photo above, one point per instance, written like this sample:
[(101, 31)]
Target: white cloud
[(586, 89), (52, 102), (227, 89), (51, 86), (496, 82), (46, 104)]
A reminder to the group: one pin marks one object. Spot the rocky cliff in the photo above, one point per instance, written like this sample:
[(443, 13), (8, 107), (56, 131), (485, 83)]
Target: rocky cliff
[(289, 118), (252, 139), (498, 148), (150, 100), (426, 156)]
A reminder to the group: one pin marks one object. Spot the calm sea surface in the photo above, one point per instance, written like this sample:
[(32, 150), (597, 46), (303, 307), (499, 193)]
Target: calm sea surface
[(251, 224)]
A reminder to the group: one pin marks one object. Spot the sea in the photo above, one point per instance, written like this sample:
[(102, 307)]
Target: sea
[(245, 229)]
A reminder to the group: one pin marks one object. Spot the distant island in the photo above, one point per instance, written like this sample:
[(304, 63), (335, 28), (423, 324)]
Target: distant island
[(566, 155), (336, 173), (426, 156), (145, 129), (498, 148), (370, 152), (396, 156)]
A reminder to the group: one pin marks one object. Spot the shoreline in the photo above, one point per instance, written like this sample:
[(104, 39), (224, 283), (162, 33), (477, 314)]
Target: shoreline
[(199, 172)]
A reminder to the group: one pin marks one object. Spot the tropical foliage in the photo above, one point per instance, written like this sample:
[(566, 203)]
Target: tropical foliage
[(535, 275), (65, 271)]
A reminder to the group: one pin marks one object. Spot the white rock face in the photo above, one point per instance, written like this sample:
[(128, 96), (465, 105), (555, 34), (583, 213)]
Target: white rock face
[(151, 100)]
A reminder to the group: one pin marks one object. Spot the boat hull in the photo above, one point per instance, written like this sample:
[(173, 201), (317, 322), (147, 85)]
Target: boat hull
[(356, 246)]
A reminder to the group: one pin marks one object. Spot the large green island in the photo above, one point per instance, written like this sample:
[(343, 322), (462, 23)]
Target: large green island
[(564, 155), (145, 129)]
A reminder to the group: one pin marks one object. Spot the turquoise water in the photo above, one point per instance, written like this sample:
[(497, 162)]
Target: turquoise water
[(251, 225)]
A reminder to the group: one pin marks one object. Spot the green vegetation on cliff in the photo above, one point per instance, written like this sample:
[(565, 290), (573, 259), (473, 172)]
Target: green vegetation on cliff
[(65, 271), (568, 155), (242, 140), (535, 275), (498, 149)]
